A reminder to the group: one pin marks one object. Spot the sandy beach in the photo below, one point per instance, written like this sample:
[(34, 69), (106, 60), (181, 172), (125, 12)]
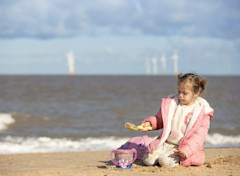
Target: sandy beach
[(220, 161)]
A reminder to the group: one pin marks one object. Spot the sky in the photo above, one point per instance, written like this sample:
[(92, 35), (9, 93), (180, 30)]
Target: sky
[(118, 37)]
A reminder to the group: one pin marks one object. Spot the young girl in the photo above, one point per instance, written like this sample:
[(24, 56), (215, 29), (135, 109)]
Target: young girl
[(185, 120)]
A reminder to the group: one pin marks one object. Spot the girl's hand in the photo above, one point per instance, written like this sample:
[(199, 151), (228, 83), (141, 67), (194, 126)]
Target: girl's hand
[(145, 124), (181, 154)]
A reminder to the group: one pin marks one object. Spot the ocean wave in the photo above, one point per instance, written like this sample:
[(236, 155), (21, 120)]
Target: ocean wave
[(13, 145), (217, 139), (5, 120)]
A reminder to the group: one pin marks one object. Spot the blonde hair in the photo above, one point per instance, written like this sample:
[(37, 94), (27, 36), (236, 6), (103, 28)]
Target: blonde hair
[(198, 84)]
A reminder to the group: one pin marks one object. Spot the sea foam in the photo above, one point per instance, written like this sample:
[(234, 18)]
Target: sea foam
[(11, 145), (5, 120), (217, 139)]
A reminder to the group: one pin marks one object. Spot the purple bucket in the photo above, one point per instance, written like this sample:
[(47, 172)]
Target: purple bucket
[(123, 158)]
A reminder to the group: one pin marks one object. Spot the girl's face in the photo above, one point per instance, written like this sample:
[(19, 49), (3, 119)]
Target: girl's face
[(186, 95)]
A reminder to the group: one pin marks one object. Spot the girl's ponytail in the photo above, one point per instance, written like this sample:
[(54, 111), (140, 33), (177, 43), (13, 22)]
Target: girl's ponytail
[(180, 76), (202, 82)]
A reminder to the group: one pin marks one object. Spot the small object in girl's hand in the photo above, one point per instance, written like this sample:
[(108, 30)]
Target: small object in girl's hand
[(130, 126), (133, 127)]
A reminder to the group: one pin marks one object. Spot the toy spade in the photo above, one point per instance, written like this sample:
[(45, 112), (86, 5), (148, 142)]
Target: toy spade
[(133, 127)]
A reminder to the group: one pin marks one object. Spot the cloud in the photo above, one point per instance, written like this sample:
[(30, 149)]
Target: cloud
[(66, 18)]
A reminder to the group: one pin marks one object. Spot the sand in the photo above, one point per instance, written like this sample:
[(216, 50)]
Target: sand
[(219, 161)]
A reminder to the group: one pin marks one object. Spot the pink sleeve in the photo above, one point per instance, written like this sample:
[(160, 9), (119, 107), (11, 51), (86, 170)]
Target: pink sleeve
[(196, 140), (156, 121)]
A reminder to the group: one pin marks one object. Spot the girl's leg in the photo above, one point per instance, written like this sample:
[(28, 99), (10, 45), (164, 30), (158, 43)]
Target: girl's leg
[(168, 157), (152, 159)]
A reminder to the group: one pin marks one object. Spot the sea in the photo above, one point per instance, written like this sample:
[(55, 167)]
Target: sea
[(43, 113)]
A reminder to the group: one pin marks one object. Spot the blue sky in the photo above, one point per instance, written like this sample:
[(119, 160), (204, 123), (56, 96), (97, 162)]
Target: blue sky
[(118, 36)]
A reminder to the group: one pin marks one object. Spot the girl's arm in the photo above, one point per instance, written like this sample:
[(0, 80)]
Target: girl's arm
[(156, 121), (196, 140)]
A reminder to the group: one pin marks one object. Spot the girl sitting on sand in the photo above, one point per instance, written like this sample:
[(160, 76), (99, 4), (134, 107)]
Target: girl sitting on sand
[(185, 120)]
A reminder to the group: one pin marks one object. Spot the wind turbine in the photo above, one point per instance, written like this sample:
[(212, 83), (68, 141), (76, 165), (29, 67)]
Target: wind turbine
[(70, 59), (175, 62)]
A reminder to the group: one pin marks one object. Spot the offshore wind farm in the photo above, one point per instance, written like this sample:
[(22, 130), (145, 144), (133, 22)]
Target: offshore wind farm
[(153, 65)]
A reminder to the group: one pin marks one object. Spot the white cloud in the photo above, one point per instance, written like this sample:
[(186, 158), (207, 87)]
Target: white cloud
[(49, 19)]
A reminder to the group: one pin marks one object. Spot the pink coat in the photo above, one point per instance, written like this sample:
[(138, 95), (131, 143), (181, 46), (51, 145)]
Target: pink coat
[(192, 144)]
